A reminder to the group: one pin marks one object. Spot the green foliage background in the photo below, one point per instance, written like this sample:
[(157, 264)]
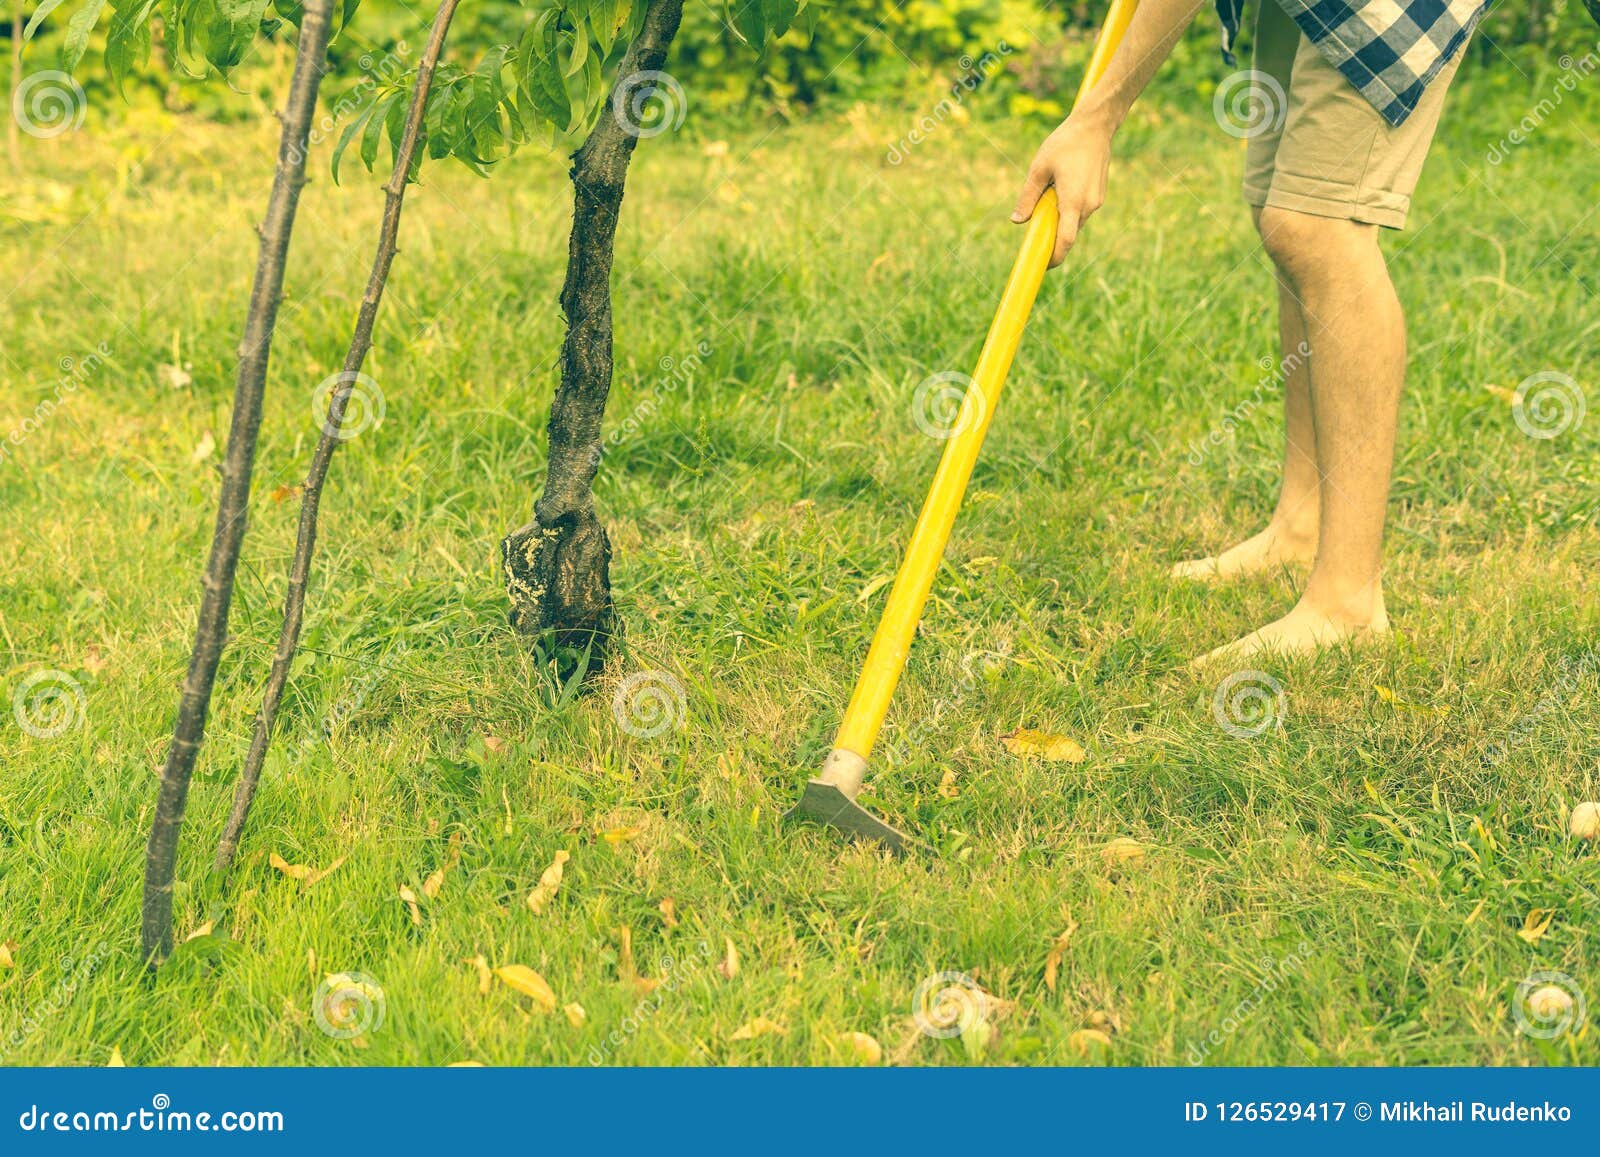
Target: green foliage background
[(840, 50)]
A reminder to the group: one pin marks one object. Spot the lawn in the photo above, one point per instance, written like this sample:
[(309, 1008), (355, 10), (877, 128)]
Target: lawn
[(1365, 881)]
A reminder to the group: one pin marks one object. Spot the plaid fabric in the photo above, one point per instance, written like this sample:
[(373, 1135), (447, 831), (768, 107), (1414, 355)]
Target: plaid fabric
[(1389, 49)]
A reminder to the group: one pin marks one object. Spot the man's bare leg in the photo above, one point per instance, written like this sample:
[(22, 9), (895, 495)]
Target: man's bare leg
[(1291, 535), (1356, 332)]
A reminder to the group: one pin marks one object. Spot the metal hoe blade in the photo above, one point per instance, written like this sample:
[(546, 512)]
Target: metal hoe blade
[(825, 803)]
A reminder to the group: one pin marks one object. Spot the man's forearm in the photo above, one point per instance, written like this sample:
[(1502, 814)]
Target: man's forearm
[(1154, 29)]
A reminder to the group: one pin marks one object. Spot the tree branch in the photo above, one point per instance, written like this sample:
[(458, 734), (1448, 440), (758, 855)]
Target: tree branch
[(294, 602), (234, 502)]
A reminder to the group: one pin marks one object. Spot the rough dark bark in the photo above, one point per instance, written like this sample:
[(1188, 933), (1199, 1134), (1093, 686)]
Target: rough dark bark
[(558, 565), (234, 502), (294, 603)]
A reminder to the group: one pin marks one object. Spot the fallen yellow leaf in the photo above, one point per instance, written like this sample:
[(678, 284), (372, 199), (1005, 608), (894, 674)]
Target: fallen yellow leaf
[(866, 1048), (116, 1061), (758, 1027), (1122, 851), (8, 949), (431, 886), (203, 930), (306, 874), (729, 964), (947, 785), (410, 899), (525, 980), (1536, 924), (1044, 744), (94, 659), (465, 1065), (549, 881), (575, 1014), (1058, 953), (485, 974), (669, 912), (1084, 1039), (619, 835), (1505, 395), (206, 447), (494, 745)]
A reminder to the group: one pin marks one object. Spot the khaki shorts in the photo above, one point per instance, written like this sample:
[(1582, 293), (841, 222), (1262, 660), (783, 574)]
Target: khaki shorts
[(1333, 154)]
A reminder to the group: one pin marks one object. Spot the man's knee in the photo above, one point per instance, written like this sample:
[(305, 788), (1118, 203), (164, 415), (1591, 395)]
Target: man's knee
[(1306, 247)]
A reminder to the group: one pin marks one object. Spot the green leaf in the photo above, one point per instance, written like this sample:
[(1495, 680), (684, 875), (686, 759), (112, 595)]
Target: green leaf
[(39, 14), (374, 133), (78, 28), (350, 131), (128, 40), (227, 28)]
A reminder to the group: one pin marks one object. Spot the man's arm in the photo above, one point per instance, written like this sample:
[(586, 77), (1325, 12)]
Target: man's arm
[(1076, 156)]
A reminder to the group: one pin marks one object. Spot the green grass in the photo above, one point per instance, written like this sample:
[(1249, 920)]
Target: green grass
[(751, 508)]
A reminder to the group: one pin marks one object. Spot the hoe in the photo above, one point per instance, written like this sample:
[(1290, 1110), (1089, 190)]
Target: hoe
[(830, 798)]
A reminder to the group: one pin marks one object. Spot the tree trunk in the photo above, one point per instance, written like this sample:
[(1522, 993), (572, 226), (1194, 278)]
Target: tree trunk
[(294, 603), (558, 566), (234, 503)]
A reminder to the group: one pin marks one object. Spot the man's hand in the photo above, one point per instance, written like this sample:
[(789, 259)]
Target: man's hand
[(1074, 159)]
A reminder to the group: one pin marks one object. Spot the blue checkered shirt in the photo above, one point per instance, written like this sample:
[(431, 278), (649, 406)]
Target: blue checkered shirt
[(1389, 49)]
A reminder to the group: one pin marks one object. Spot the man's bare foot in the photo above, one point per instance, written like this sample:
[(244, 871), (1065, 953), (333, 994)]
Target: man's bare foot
[(1302, 631), (1273, 547)]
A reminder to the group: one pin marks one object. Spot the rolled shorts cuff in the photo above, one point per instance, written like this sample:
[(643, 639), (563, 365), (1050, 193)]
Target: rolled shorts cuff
[(1323, 199)]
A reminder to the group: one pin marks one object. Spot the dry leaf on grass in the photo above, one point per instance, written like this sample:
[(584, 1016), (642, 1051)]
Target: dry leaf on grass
[(305, 873), (618, 836), (863, 1046), (549, 881), (759, 1027), (1058, 953), (94, 660), (8, 949), (494, 745), (1045, 745), (203, 930), (626, 969), (729, 964), (115, 1061), (669, 912), (206, 447), (1122, 852), (410, 899), (575, 1014), (485, 973), (521, 978), (947, 785), (1085, 1040), (1536, 924)]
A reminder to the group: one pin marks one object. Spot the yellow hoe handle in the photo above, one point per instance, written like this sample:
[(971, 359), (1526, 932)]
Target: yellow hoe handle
[(892, 643)]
